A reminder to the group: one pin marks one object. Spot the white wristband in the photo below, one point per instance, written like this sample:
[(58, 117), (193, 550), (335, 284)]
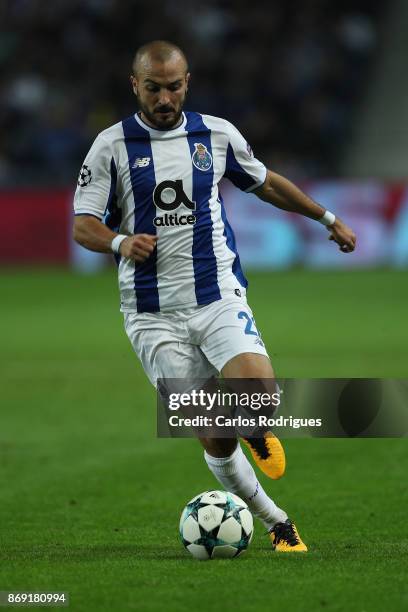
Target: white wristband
[(328, 218), (116, 242)]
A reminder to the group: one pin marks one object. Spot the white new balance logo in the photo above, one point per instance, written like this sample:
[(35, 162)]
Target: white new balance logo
[(141, 162)]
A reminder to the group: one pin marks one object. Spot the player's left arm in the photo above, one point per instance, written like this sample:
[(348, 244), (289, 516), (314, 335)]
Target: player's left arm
[(282, 193)]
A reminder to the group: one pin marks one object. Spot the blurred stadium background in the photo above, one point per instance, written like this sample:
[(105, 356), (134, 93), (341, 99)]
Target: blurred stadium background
[(311, 83), (91, 498)]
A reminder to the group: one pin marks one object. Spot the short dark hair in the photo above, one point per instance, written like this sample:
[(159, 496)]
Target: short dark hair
[(158, 50)]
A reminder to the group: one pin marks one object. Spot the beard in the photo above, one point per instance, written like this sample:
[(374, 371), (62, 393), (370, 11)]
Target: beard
[(164, 117)]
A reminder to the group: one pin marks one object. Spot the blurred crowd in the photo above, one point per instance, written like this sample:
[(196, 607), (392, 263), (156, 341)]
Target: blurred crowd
[(288, 73)]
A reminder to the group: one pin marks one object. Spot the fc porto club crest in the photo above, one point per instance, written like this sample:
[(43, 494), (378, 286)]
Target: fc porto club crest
[(201, 158)]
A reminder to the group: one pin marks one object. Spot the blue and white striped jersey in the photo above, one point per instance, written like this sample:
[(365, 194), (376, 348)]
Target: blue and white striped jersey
[(142, 180)]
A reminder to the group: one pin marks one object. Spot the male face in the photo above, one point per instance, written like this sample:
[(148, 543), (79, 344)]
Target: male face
[(160, 88)]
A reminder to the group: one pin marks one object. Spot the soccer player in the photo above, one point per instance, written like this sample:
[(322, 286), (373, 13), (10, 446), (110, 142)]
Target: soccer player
[(148, 191)]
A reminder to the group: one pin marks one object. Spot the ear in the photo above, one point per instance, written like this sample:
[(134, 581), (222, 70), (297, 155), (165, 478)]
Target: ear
[(134, 83), (188, 75)]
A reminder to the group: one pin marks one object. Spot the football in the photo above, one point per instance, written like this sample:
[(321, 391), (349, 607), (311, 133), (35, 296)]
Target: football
[(216, 524)]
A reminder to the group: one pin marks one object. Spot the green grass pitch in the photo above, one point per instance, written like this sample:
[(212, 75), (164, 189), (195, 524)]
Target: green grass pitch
[(90, 499)]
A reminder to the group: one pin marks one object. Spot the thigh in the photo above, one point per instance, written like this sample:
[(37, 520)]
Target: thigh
[(228, 330), (161, 347)]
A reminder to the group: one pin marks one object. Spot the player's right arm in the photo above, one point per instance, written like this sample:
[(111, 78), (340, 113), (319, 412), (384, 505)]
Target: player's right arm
[(93, 197), (92, 234)]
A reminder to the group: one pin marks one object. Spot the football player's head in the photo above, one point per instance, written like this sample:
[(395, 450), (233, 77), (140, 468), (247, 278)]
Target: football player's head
[(160, 82)]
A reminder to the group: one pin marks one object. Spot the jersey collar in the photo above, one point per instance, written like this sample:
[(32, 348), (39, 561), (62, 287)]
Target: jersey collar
[(158, 132)]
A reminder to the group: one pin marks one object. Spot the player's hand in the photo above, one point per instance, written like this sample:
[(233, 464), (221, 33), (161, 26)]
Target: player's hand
[(138, 247), (343, 235)]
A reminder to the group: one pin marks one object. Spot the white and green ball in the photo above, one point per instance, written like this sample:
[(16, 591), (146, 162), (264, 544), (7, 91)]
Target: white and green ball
[(216, 524)]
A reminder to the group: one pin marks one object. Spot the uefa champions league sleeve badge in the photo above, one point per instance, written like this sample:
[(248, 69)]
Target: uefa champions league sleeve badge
[(85, 176), (201, 158)]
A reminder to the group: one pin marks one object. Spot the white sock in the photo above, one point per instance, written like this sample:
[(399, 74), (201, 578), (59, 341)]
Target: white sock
[(237, 475)]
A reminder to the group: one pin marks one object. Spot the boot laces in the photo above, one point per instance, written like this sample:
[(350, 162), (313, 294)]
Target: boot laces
[(285, 532)]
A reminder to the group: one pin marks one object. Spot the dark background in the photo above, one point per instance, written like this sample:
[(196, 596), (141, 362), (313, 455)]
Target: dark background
[(289, 75)]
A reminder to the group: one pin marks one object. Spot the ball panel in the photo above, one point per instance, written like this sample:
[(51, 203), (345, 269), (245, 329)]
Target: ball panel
[(225, 551), (210, 517), (230, 531), (247, 521), (190, 530), (198, 551), (183, 517), (214, 497), (244, 541)]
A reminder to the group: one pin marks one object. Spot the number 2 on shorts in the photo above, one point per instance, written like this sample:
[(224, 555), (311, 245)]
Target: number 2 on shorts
[(250, 323)]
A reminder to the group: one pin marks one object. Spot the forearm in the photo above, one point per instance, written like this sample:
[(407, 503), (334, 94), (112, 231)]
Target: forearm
[(92, 234), (283, 194)]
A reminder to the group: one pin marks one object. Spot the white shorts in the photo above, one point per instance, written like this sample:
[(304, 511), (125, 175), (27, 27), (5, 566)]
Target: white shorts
[(193, 342)]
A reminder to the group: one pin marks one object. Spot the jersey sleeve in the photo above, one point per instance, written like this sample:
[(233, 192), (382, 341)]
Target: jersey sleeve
[(96, 181), (242, 168)]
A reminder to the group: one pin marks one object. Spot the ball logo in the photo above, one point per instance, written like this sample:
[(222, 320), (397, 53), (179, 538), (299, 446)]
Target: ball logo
[(209, 515), (201, 158), (168, 196)]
